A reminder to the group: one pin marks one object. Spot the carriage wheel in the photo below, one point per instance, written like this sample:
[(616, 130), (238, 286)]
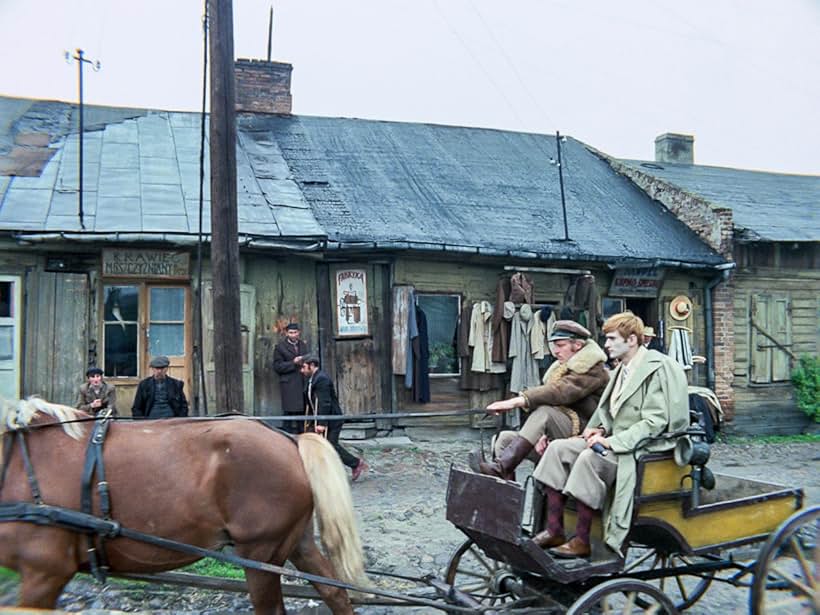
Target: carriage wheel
[(626, 596), (684, 589), (472, 572), (786, 574)]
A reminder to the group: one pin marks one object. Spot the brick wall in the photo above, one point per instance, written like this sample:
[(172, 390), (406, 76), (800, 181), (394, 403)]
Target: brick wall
[(713, 224), (262, 86)]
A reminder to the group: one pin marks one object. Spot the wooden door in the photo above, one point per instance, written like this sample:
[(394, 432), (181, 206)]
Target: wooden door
[(247, 317), (10, 327)]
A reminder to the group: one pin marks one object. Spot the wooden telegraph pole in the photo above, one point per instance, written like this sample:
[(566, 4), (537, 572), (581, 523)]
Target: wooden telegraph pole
[(227, 343)]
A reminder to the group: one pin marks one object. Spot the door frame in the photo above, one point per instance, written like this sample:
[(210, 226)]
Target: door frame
[(16, 319)]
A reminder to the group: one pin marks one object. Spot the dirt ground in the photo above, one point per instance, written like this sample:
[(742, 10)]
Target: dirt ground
[(400, 503)]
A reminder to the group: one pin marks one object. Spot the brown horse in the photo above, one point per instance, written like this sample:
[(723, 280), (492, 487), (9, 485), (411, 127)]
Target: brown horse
[(204, 483)]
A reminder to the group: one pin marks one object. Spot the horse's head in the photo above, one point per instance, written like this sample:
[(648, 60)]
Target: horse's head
[(22, 413)]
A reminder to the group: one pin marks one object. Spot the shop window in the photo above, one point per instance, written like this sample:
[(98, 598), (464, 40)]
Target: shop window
[(5, 300), (442, 312), (167, 322), (120, 325), (611, 306)]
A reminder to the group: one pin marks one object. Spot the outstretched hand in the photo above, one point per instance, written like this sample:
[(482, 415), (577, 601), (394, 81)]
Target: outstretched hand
[(505, 405)]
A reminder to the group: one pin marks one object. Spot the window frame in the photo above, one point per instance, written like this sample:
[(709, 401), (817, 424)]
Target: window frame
[(459, 304)]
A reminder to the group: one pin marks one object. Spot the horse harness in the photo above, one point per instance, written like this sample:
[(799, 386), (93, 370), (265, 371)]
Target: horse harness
[(85, 521)]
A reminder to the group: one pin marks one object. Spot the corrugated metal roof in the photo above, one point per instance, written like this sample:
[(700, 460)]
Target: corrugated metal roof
[(141, 176), (765, 206)]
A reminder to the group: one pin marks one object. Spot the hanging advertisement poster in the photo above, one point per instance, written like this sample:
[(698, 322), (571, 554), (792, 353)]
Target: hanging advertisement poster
[(351, 303)]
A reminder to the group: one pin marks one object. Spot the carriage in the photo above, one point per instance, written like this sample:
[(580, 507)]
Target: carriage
[(689, 527)]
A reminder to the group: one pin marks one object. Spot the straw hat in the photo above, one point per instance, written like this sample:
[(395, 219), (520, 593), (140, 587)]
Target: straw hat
[(680, 308), (649, 332)]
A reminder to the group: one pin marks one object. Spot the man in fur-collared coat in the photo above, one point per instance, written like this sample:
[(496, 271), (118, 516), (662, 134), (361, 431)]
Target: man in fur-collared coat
[(646, 398), (561, 406)]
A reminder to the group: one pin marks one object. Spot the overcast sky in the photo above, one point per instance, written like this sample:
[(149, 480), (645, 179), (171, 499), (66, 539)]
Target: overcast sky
[(739, 75)]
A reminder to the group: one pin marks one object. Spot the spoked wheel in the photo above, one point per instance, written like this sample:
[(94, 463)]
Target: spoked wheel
[(786, 574), (624, 597), (683, 589), (472, 572)]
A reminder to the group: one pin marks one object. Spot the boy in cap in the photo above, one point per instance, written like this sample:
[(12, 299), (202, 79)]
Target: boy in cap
[(560, 407), (159, 396), (321, 397), (287, 362), (96, 395)]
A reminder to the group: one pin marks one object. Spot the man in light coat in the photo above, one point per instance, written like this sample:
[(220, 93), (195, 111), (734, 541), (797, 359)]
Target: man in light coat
[(646, 398), (560, 407)]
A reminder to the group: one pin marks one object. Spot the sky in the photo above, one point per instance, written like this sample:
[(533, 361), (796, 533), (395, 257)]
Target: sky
[(741, 76)]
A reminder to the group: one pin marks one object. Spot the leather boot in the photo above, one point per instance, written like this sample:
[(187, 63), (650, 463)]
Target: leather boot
[(506, 463), (574, 548), (547, 540)]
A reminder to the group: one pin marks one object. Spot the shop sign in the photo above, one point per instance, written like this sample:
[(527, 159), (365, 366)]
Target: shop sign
[(636, 282), (351, 302), (146, 264)]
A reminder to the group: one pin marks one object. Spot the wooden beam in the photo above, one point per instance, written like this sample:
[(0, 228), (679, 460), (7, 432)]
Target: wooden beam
[(224, 221)]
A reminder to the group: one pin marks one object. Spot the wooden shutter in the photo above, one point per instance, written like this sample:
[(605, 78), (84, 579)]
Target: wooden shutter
[(761, 371), (247, 317), (780, 328)]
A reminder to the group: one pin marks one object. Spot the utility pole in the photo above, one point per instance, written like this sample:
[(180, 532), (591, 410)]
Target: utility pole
[(561, 182), (270, 32), (224, 225), (81, 60)]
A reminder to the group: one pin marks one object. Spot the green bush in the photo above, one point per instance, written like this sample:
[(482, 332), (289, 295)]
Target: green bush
[(806, 379)]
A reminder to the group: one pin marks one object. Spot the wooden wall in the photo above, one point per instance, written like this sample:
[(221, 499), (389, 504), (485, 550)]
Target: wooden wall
[(802, 288), (285, 292)]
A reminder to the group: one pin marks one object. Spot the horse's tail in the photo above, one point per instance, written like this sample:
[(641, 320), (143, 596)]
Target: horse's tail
[(334, 507)]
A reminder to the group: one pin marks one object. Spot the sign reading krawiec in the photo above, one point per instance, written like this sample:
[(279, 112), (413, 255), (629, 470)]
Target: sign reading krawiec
[(146, 264), (636, 282)]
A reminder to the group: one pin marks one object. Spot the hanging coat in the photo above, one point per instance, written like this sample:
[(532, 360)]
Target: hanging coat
[(524, 372), (421, 360)]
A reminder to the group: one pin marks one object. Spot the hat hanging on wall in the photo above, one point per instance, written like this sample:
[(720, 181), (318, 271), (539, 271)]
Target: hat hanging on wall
[(680, 308)]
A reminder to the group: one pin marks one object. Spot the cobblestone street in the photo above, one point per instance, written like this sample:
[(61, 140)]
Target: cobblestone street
[(401, 506)]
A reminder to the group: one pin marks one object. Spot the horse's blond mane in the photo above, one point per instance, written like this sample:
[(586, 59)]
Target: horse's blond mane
[(14, 415)]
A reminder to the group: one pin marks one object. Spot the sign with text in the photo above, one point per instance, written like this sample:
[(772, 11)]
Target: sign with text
[(351, 302), (146, 264), (639, 282)]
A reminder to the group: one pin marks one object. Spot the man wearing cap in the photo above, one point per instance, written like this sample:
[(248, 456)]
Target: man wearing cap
[(560, 407), (646, 398), (97, 395), (287, 362), (320, 394), (159, 396)]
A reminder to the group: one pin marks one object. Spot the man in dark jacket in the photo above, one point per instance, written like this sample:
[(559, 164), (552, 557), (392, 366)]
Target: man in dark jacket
[(561, 407), (96, 396), (320, 394), (287, 362), (159, 396)]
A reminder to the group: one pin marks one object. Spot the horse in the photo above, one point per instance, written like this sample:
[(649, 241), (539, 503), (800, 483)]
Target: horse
[(208, 483)]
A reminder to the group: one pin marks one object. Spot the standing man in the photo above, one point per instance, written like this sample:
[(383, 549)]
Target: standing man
[(322, 400), (560, 407), (287, 362), (97, 395), (646, 398), (159, 396)]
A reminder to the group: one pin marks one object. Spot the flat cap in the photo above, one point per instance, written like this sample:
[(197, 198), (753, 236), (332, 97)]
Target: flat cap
[(568, 330), (159, 362), (93, 371), (292, 326), (311, 357)]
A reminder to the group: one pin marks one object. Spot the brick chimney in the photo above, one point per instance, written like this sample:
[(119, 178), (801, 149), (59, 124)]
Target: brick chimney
[(262, 86), (671, 147)]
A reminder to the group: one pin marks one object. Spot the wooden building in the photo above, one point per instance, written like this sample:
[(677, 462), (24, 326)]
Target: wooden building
[(767, 310), (335, 215)]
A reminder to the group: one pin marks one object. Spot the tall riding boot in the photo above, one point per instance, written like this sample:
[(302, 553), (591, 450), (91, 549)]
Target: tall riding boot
[(506, 463), (579, 545), (553, 536)]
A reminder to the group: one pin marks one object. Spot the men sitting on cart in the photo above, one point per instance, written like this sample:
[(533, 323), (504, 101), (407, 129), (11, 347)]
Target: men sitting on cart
[(561, 406), (646, 397)]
